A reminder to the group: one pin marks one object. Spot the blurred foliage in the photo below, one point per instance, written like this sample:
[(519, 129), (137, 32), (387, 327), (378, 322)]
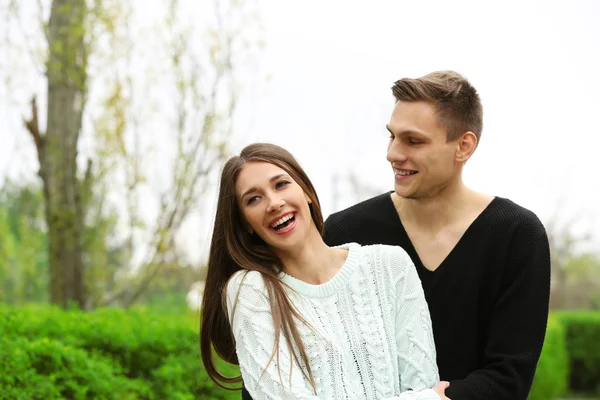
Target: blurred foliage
[(24, 260), (24, 268), (552, 374), (49, 353), (149, 119), (583, 346), (575, 267), (147, 353), (23, 243)]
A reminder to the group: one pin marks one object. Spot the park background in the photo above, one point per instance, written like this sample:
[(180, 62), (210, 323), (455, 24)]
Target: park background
[(116, 117)]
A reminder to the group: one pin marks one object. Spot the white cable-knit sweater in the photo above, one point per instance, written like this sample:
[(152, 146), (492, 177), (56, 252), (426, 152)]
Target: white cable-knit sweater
[(370, 332)]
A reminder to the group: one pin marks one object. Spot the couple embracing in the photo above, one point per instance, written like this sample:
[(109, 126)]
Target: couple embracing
[(430, 291)]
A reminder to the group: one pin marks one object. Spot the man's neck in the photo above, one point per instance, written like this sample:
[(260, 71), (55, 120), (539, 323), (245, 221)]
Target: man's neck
[(439, 210)]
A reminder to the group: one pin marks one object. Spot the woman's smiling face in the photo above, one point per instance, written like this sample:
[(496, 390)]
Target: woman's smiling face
[(273, 205)]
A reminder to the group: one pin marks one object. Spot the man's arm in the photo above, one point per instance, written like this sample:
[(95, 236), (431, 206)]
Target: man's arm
[(245, 394), (517, 325)]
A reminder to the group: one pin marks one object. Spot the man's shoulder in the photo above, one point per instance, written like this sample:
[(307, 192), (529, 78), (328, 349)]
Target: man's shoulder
[(505, 212), (363, 210), (358, 222)]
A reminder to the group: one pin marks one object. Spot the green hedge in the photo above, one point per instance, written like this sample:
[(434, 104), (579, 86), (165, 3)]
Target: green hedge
[(552, 374), (48, 353), (583, 347), (48, 369)]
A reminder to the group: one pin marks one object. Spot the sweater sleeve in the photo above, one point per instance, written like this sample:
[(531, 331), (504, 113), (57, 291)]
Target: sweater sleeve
[(414, 334), (517, 324), (252, 326)]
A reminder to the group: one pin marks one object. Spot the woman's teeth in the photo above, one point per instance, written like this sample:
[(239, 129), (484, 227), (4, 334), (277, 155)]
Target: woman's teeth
[(282, 220)]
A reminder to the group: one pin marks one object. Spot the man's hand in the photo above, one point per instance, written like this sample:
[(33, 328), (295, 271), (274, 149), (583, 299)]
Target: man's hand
[(440, 389)]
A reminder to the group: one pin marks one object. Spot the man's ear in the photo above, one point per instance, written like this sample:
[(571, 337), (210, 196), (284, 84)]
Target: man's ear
[(465, 146)]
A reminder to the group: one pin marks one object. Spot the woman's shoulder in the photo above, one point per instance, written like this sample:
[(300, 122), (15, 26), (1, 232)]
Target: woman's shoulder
[(244, 281), (386, 253), (376, 249), (246, 294), (390, 263)]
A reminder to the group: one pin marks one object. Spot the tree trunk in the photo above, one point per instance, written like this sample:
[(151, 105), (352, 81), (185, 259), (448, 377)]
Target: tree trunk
[(66, 73)]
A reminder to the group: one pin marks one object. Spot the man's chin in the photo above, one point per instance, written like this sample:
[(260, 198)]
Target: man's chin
[(407, 194), (403, 192)]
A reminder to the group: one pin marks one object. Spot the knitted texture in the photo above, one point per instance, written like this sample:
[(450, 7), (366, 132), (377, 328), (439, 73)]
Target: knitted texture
[(369, 333)]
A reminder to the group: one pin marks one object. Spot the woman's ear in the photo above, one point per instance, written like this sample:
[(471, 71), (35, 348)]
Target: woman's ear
[(246, 225), (308, 200)]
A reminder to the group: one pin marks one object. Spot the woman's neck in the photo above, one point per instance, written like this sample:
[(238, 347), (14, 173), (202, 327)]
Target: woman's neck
[(313, 261)]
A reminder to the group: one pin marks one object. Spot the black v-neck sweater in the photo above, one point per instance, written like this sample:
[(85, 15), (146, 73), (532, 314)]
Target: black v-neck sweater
[(488, 299)]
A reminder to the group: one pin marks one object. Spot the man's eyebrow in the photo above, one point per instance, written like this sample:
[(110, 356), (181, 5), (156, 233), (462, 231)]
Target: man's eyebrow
[(253, 189), (404, 132)]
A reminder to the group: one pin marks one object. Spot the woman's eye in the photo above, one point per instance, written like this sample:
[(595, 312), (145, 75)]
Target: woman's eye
[(281, 184), (251, 200)]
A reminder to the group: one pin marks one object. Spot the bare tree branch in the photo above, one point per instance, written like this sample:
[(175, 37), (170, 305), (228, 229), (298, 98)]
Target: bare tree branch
[(33, 127), (204, 93)]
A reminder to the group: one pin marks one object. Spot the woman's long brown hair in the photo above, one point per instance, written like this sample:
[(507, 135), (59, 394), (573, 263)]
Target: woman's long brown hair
[(232, 249)]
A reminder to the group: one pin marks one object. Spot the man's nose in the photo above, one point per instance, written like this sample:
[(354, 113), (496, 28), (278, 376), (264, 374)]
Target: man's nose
[(396, 154)]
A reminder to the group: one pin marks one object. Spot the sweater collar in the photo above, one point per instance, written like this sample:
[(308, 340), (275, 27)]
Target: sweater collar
[(332, 286)]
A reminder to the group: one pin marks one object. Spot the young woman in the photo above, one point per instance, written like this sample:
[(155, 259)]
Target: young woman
[(301, 319)]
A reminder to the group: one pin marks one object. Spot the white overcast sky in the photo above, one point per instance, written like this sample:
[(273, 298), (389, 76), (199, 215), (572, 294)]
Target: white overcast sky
[(534, 63), (331, 65)]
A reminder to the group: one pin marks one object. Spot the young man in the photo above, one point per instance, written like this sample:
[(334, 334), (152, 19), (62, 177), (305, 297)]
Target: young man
[(484, 262)]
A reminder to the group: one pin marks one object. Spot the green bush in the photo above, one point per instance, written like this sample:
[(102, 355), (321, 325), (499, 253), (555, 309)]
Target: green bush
[(48, 353), (137, 341), (552, 374), (104, 354), (48, 369), (583, 347)]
